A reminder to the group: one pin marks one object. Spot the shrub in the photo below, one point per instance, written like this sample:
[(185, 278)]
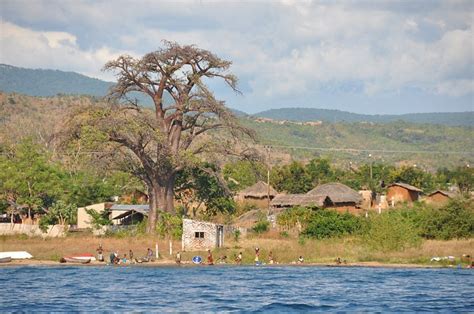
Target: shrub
[(261, 226), (455, 220), (236, 235), (291, 217), (169, 225), (391, 231), (329, 223)]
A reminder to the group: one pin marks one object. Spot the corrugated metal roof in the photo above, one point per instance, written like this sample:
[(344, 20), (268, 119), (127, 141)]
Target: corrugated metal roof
[(126, 207)]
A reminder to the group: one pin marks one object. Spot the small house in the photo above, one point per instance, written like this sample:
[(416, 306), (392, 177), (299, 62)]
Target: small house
[(343, 198), (118, 213), (201, 235), (258, 194), (439, 197), (402, 193), (84, 220)]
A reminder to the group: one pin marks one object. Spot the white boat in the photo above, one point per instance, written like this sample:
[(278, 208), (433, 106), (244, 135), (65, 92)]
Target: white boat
[(16, 255), (84, 257)]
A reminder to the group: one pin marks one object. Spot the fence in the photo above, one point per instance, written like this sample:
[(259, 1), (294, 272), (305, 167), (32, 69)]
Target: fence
[(32, 230)]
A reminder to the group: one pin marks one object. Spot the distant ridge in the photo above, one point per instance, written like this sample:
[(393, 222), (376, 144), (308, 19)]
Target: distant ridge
[(41, 82), (329, 115)]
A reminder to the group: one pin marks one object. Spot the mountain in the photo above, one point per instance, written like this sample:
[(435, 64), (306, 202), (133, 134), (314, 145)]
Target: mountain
[(40, 82), (328, 115)]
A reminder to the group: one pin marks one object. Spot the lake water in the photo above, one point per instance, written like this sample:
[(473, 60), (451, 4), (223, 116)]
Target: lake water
[(241, 289)]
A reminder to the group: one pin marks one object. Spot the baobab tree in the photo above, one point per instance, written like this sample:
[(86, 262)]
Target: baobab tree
[(158, 142)]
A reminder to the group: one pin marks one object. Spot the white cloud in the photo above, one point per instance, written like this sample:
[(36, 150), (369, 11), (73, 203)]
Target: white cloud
[(56, 50), (282, 49)]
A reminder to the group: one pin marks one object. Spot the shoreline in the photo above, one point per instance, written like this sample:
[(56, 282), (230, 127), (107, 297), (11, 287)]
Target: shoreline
[(169, 263)]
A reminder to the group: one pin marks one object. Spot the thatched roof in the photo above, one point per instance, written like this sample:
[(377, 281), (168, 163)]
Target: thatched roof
[(406, 186), (337, 192), (445, 193), (258, 190), (290, 200)]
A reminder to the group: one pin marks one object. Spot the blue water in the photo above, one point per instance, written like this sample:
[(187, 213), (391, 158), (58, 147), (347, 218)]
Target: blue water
[(240, 289)]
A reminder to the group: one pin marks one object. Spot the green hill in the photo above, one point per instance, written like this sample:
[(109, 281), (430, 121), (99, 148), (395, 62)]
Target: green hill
[(49, 82), (328, 115), (432, 146)]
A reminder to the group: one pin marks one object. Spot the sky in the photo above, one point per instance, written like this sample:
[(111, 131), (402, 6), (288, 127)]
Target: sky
[(374, 57)]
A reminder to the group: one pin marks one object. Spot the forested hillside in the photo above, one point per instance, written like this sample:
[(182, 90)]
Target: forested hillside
[(38, 82), (326, 115), (396, 142), (49, 82)]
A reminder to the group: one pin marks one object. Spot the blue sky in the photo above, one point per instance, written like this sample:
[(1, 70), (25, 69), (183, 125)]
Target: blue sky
[(360, 56)]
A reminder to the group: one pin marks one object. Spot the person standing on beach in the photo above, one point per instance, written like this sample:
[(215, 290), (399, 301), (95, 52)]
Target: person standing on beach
[(210, 260), (130, 254), (178, 258), (257, 253), (100, 253)]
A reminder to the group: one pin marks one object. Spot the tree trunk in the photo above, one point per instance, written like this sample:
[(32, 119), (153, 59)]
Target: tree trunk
[(157, 201), (152, 201), (169, 205)]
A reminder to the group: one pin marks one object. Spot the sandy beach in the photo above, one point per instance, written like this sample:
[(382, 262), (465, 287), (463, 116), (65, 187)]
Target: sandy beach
[(170, 263)]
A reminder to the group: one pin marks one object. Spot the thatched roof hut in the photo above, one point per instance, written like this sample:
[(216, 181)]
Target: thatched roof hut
[(292, 200), (337, 192), (259, 190)]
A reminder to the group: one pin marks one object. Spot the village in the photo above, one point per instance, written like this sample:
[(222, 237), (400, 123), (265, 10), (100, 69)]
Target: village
[(206, 236)]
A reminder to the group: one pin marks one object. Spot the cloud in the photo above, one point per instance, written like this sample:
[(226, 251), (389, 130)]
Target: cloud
[(281, 50), (57, 50)]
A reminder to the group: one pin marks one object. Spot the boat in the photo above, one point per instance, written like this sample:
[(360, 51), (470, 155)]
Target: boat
[(16, 255), (7, 259), (69, 259), (84, 257)]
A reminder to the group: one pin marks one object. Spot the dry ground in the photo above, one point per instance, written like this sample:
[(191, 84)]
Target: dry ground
[(285, 250)]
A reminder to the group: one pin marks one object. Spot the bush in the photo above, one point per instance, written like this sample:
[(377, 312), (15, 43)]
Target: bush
[(261, 226), (391, 231), (236, 235), (455, 220), (329, 223), (169, 225), (290, 218)]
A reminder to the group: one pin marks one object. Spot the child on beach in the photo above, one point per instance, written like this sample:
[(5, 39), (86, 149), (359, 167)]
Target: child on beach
[(270, 258), (100, 253), (301, 259), (178, 258), (238, 260)]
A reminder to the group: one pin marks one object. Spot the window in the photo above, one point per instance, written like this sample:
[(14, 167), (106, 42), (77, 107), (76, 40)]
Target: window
[(199, 235)]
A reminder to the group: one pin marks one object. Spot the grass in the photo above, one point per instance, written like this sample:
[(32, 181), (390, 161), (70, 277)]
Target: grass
[(285, 249)]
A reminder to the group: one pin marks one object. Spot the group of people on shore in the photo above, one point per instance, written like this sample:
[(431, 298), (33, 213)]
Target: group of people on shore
[(115, 259), (238, 258)]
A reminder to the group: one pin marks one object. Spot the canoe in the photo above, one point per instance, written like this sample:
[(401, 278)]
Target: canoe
[(84, 257), (74, 260), (5, 259), (16, 255)]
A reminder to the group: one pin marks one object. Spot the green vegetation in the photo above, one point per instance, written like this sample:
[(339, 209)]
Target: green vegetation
[(393, 230), (332, 116), (59, 213)]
